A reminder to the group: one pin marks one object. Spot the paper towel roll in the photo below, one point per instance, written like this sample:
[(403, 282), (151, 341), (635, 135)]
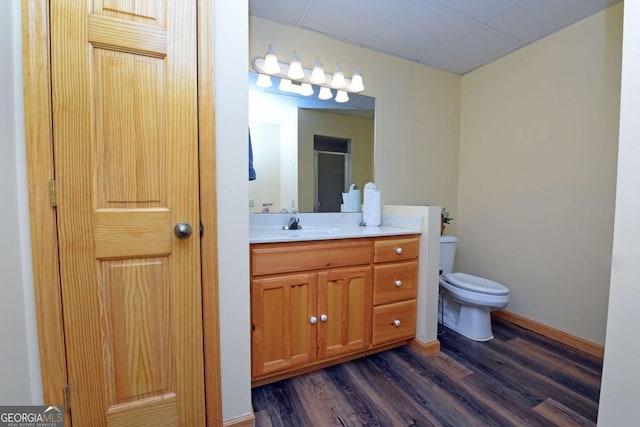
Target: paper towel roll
[(354, 201), (372, 209)]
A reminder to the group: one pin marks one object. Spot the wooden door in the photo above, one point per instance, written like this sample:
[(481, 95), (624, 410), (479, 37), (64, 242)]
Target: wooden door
[(344, 307), (283, 332), (124, 94)]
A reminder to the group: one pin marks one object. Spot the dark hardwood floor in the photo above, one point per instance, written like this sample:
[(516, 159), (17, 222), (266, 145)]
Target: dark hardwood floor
[(519, 378)]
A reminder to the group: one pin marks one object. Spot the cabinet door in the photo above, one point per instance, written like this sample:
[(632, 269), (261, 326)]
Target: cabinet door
[(283, 311), (344, 307)]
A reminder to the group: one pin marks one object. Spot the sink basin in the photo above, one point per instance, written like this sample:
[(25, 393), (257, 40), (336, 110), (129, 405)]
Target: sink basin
[(310, 231), (305, 232)]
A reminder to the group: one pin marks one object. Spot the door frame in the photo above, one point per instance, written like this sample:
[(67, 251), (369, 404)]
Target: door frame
[(316, 174), (36, 39)]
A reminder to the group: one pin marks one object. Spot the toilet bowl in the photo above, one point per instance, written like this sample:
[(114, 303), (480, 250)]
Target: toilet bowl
[(466, 300)]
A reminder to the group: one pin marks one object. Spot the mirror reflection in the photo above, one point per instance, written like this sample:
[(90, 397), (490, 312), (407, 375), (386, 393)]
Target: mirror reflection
[(307, 151)]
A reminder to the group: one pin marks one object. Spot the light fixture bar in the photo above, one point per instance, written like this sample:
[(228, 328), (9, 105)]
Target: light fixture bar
[(258, 64)]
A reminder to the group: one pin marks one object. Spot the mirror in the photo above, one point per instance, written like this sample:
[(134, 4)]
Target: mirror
[(307, 151)]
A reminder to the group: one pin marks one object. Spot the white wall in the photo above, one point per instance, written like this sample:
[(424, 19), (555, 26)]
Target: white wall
[(621, 376), (417, 112), (232, 157), (19, 362), (538, 149)]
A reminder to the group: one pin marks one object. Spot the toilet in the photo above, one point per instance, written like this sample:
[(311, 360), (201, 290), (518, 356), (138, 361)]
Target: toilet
[(466, 300)]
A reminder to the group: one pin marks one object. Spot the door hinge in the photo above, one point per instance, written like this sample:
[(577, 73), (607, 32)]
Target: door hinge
[(52, 193), (67, 400)]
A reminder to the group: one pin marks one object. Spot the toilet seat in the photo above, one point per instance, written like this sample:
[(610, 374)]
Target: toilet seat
[(476, 284)]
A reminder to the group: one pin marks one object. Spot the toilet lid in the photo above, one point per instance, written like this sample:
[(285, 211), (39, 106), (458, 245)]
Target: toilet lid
[(476, 284)]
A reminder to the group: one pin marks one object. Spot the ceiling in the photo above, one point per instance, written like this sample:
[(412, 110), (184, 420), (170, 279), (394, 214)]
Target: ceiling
[(453, 35)]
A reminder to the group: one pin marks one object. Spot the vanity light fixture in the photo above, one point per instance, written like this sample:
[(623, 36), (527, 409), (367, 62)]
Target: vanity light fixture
[(338, 81), (356, 82), (306, 89), (285, 85), (296, 78), (341, 96), (271, 64), (317, 75), (325, 93), (264, 81), (295, 68)]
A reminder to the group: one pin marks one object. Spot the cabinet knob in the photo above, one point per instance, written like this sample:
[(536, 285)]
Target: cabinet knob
[(396, 323), (313, 320), (399, 251), (323, 317), (398, 283)]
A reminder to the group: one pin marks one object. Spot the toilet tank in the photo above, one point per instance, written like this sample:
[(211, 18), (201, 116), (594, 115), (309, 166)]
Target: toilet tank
[(447, 253)]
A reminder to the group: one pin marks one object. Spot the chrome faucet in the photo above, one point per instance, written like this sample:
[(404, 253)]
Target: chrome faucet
[(294, 222)]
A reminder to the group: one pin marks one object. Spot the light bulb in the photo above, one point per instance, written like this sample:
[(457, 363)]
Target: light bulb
[(285, 85), (264, 81), (325, 93), (317, 75), (271, 65), (306, 89), (356, 82), (337, 81), (341, 96), (295, 68)]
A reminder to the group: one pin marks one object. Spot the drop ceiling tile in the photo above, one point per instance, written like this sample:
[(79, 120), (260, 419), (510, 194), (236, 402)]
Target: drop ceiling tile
[(419, 29), (422, 29), (284, 11), (479, 10), (530, 20), (473, 50), (358, 21)]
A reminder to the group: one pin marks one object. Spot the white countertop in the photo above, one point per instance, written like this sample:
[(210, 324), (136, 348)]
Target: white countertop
[(268, 228)]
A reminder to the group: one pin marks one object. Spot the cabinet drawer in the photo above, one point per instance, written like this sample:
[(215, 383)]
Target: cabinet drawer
[(395, 282), (395, 249), (393, 322), (283, 258)]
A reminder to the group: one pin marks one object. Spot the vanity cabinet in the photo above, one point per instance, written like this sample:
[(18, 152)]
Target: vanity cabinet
[(395, 289), (321, 313), (318, 301)]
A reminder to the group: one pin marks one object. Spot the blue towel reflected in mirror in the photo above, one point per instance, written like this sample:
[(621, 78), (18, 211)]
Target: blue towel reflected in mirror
[(252, 171)]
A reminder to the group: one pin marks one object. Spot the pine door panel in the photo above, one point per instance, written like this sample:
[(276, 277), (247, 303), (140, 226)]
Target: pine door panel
[(124, 93), (138, 350), (128, 149), (344, 297), (282, 334)]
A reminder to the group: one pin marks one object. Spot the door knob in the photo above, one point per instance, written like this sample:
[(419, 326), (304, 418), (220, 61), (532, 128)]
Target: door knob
[(182, 230), (313, 320), (399, 251), (398, 283), (323, 317), (396, 323)]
